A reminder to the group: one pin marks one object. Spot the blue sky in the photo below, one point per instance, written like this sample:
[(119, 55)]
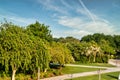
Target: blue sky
[(65, 17)]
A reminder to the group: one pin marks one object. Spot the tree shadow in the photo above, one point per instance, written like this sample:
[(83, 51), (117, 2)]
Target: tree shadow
[(113, 76)]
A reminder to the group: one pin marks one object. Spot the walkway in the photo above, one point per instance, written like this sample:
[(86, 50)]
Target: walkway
[(115, 62), (69, 76)]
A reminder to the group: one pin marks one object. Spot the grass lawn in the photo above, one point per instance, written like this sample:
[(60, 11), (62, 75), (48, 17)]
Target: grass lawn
[(107, 76), (95, 64), (70, 69)]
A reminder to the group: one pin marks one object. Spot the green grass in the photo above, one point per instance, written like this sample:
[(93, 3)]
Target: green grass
[(95, 64), (70, 70), (107, 76), (5, 78), (17, 77)]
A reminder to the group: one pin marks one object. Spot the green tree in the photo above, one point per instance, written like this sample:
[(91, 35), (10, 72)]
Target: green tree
[(15, 50), (40, 30), (106, 48), (20, 50), (40, 55), (60, 53), (94, 49), (87, 38), (68, 40), (75, 50), (117, 42)]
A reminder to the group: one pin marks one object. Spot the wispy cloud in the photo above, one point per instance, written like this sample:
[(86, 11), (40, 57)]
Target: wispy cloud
[(66, 4), (82, 27), (49, 4), (75, 16), (77, 33), (72, 22), (18, 20), (87, 10), (12, 17)]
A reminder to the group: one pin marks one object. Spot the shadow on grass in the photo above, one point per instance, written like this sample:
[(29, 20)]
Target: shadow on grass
[(113, 76)]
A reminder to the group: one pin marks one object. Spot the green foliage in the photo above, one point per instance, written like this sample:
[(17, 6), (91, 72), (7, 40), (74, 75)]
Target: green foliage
[(85, 51), (92, 48), (109, 44), (60, 53), (67, 40), (20, 50), (117, 42), (14, 47), (57, 72), (39, 30), (106, 48), (97, 37)]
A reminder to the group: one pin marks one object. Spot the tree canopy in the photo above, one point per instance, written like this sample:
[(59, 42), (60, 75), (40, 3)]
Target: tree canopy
[(20, 50)]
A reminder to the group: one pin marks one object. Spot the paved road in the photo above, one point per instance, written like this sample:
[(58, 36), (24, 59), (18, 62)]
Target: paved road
[(69, 76)]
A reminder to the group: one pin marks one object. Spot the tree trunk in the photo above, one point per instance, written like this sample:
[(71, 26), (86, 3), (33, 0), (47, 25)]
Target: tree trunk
[(45, 70), (38, 73), (89, 59), (94, 59), (13, 74)]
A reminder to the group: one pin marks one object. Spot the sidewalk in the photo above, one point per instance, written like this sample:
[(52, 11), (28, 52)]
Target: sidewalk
[(114, 62)]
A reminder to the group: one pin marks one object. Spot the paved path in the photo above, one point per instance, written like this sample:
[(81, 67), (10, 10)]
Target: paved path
[(115, 62), (69, 76)]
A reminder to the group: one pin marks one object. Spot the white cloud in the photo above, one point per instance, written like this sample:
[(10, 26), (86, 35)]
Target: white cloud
[(66, 4), (49, 4), (88, 13), (14, 18), (18, 20), (82, 11), (70, 22), (77, 33), (99, 27), (82, 27)]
